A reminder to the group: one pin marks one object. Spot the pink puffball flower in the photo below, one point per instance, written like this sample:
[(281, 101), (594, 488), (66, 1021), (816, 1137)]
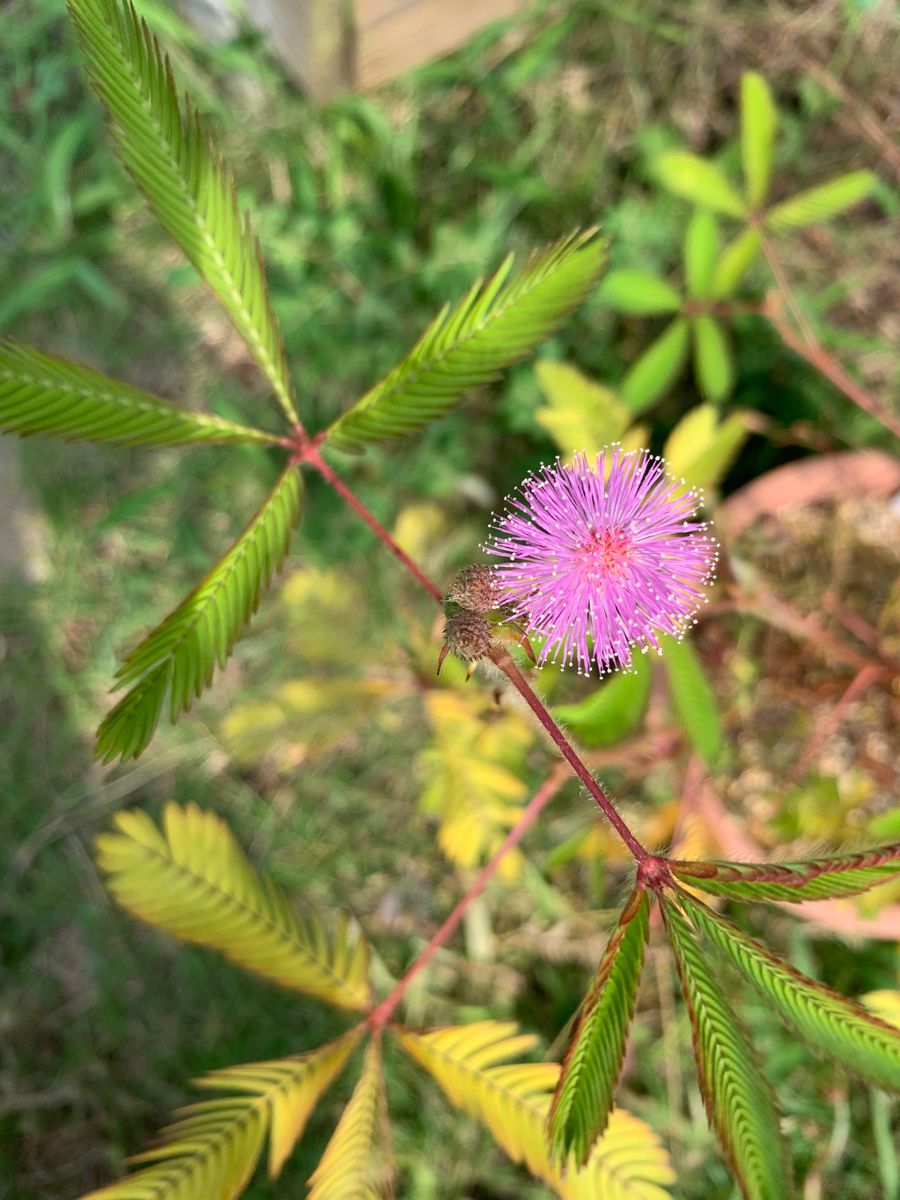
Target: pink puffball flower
[(601, 557)]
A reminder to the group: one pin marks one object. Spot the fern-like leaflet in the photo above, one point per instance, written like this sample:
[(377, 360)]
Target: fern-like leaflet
[(470, 1062), (47, 396), (495, 325), (831, 1023), (214, 1146), (737, 1096), (357, 1161), (816, 879), (180, 171), (192, 880), (181, 654), (584, 1096)]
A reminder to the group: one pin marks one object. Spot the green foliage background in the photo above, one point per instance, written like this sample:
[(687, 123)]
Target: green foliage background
[(373, 210)]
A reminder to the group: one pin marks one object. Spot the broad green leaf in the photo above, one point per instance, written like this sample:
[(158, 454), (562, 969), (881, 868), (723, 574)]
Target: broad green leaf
[(191, 879), (470, 1062), (638, 293), (583, 1100), (817, 879), (657, 368), (496, 324), (713, 363), (357, 1161), (580, 414), (291, 1088), (840, 1028), (183, 651), (759, 118), (701, 249), (700, 181), (613, 710), (211, 1150), (701, 447), (180, 171), (45, 396), (692, 698), (822, 202), (739, 1101), (734, 262)]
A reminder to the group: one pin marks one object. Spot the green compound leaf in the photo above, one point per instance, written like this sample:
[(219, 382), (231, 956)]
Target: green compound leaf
[(181, 654), (795, 882), (190, 878), (701, 249), (211, 1150), (180, 171), (496, 324), (713, 363), (692, 698), (838, 1027), (41, 395), (583, 1099), (739, 1102), (638, 293), (657, 368), (701, 182), (759, 118), (734, 262), (291, 1088), (613, 710), (822, 202)]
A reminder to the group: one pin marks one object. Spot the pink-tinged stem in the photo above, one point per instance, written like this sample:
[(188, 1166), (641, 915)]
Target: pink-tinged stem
[(315, 460), (808, 348), (502, 659), (381, 1014)]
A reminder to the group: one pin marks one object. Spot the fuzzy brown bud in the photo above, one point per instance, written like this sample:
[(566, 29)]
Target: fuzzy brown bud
[(467, 635), (474, 588)]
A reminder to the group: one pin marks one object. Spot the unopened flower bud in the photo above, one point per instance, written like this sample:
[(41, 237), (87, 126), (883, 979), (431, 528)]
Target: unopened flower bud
[(474, 588), (467, 635)]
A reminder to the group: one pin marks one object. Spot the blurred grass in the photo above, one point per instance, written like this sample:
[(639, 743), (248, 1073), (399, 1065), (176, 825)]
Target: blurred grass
[(372, 210)]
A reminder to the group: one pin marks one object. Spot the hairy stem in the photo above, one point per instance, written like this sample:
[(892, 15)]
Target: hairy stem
[(381, 1014), (503, 660), (313, 457)]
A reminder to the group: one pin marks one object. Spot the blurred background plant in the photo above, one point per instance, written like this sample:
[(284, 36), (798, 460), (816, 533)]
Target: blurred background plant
[(770, 734)]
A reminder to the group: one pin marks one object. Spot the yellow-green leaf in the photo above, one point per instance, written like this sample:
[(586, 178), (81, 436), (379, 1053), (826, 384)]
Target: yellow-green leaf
[(657, 368), (693, 699), (822, 202), (291, 1087), (580, 414), (471, 1065), (734, 262), (472, 776), (357, 1161), (700, 181), (712, 358), (701, 447), (759, 118), (701, 249), (638, 293), (191, 879)]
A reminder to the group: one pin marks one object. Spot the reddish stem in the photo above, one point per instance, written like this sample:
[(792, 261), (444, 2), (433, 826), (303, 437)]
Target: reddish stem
[(381, 1014), (502, 659), (313, 457)]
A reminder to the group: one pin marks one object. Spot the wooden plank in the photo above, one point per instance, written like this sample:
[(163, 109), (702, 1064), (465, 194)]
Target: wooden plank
[(394, 35), (313, 39)]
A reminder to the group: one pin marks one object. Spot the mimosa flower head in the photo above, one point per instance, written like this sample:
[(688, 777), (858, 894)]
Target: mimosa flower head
[(601, 557)]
